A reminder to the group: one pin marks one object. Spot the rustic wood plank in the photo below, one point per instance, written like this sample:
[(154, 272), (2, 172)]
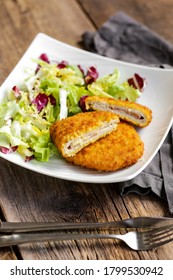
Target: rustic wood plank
[(6, 253), (157, 15), (28, 196)]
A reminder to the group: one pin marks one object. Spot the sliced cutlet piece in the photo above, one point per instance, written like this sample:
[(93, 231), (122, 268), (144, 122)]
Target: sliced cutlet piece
[(121, 148), (72, 134), (132, 112)]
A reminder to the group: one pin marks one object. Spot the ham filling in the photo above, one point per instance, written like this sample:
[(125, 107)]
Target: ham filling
[(75, 145), (129, 113)]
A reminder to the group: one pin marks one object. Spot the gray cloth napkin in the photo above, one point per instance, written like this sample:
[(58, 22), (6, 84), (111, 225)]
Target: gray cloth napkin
[(123, 38)]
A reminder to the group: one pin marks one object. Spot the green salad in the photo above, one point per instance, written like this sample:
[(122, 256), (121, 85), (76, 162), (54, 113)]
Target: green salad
[(53, 91)]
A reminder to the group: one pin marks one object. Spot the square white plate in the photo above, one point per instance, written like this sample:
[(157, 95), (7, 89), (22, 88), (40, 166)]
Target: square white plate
[(158, 96)]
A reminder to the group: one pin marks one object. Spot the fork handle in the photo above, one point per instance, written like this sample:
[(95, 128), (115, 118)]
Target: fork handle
[(138, 222), (21, 238), (43, 226)]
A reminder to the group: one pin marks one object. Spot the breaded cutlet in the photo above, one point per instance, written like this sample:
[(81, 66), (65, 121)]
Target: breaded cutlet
[(72, 134), (121, 148), (132, 112)]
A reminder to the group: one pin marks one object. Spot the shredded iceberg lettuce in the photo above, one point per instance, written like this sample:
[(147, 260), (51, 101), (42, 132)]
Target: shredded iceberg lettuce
[(109, 86), (51, 92)]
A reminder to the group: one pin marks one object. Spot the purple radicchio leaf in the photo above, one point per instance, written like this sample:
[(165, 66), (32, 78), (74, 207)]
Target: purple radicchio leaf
[(28, 158), (43, 57), (137, 82), (5, 150), (92, 75), (40, 101), (82, 103), (16, 91), (62, 64)]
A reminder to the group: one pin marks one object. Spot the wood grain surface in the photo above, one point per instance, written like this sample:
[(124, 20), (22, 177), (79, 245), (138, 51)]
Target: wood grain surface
[(29, 196)]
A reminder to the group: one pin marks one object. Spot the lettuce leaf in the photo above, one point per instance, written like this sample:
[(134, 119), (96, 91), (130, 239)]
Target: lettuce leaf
[(109, 86)]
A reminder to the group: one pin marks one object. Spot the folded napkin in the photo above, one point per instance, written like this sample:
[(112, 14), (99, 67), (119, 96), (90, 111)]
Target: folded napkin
[(123, 38)]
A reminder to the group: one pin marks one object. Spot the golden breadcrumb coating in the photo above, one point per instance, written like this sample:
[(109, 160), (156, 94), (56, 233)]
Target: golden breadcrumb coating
[(121, 148), (132, 112), (70, 135)]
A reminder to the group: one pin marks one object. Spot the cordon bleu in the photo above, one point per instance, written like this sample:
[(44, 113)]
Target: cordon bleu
[(72, 134), (132, 112)]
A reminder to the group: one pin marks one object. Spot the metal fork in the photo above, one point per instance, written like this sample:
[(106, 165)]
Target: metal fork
[(137, 222), (145, 240)]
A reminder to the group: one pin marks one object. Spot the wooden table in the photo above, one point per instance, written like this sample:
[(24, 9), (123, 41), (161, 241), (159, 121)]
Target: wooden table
[(28, 196)]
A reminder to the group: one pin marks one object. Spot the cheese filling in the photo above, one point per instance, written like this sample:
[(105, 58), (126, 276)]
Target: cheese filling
[(130, 113), (75, 145)]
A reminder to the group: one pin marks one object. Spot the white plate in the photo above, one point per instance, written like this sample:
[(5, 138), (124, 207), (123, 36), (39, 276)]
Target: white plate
[(158, 96)]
